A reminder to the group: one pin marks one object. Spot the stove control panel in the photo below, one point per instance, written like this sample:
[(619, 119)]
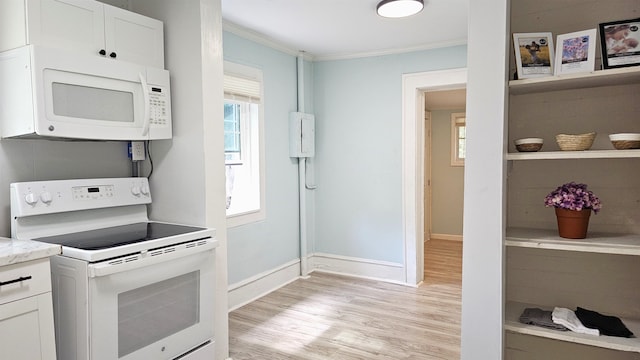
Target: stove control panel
[(92, 192), (45, 197)]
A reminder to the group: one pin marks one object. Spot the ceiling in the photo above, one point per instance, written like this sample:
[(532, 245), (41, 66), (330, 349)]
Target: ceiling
[(446, 100), (334, 29)]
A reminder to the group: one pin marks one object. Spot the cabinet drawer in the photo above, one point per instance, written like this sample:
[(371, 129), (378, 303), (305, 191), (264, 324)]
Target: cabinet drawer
[(36, 277)]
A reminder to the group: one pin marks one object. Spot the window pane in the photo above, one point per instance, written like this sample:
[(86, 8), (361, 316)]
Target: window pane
[(242, 156), (243, 129), (232, 127), (461, 141)]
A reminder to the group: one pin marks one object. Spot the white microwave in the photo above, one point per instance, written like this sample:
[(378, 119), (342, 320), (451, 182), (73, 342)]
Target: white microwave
[(53, 93)]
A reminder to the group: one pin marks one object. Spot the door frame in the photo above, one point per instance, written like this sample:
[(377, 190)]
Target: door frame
[(428, 152), (413, 156)]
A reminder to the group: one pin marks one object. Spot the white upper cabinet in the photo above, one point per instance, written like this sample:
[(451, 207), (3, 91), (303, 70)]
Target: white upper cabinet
[(83, 26)]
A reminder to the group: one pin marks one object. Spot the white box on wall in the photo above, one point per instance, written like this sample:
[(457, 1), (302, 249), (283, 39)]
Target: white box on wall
[(302, 135)]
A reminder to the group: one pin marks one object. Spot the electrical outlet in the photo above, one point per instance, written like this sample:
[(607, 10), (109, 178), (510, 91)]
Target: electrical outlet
[(137, 151)]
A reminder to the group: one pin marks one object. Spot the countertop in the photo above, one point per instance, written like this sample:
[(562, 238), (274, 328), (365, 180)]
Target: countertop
[(16, 251)]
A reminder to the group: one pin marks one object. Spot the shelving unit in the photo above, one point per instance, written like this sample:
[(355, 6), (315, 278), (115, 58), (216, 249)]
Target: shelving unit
[(544, 270), (586, 154), (608, 77), (514, 309), (628, 244)]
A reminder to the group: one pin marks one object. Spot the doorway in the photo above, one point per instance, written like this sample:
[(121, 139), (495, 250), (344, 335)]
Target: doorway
[(445, 129), (414, 87)]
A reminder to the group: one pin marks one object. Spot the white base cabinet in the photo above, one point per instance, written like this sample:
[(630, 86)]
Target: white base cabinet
[(26, 312), (83, 26)]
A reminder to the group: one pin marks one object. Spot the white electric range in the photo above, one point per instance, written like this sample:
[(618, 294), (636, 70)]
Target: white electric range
[(124, 287)]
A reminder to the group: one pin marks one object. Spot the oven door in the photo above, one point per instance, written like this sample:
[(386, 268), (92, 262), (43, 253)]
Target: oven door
[(154, 306)]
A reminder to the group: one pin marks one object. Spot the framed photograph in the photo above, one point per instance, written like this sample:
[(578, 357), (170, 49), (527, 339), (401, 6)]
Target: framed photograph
[(576, 52), (534, 54), (620, 42)]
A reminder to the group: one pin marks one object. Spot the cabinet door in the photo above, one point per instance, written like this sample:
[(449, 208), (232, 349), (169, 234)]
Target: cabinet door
[(26, 329), (77, 25), (133, 37)]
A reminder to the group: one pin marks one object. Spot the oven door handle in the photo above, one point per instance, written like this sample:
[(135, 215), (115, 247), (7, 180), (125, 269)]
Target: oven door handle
[(150, 257)]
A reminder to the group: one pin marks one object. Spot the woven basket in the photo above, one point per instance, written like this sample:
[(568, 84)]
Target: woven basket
[(626, 144), (575, 142), (529, 147)]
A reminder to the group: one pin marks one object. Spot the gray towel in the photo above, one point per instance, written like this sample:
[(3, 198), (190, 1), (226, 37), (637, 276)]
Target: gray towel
[(539, 317)]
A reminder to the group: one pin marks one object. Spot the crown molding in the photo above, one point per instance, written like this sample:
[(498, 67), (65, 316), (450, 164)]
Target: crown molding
[(430, 46), (277, 45), (262, 39)]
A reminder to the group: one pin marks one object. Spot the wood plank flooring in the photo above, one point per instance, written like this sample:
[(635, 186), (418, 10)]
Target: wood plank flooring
[(337, 317)]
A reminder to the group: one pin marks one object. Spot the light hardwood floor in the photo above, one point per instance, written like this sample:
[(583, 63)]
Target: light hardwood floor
[(338, 317)]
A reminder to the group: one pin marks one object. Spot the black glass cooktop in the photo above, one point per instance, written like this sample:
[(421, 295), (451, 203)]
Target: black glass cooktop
[(119, 235)]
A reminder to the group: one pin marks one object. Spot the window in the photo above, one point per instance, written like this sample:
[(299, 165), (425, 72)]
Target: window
[(243, 144), (458, 138)]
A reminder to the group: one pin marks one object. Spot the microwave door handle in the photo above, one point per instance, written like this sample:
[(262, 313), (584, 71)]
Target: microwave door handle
[(145, 94)]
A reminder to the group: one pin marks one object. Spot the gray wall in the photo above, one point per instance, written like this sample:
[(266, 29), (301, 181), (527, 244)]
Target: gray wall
[(447, 181), (29, 160)]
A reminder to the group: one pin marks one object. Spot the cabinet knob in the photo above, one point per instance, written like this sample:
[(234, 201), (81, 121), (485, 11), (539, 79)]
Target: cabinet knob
[(113, 55), (102, 52)]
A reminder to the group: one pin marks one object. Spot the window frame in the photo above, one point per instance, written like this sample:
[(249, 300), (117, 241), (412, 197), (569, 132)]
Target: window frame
[(456, 160), (255, 74)]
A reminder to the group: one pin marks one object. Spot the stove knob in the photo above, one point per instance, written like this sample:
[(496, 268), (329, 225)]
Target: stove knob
[(144, 190), (45, 197), (135, 190), (31, 199)]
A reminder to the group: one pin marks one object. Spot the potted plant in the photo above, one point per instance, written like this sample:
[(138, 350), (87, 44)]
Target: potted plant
[(573, 204)]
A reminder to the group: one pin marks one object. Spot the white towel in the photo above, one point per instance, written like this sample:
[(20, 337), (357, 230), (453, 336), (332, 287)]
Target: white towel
[(568, 318)]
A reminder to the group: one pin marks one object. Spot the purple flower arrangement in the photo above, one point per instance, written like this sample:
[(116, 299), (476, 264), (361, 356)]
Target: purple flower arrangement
[(573, 196)]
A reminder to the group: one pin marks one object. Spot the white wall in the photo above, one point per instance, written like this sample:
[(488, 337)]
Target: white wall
[(484, 201), (188, 177)]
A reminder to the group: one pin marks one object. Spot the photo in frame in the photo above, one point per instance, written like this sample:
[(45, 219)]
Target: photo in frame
[(534, 54), (620, 42), (576, 52)]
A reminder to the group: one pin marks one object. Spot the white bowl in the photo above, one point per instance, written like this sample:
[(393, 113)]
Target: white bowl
[(528, 141), (625, 136)]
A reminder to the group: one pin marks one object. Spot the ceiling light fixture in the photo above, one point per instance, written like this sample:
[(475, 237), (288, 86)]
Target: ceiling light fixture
[(399, 8)]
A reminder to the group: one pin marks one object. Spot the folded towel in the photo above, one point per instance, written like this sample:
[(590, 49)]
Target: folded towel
[(568, 318), (608, 325), (539, 317)]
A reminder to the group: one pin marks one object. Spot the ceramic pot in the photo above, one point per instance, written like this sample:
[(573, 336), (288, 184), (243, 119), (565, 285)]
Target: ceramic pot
[(573, 224)]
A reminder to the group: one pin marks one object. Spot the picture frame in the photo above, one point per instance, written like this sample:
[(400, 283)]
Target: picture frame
[(576, 52), (620, 43), (534, 54)]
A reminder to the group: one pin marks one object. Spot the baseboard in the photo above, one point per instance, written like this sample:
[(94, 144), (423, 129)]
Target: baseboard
[(447, 237), (357, 267), (255, 287), (246, 291)]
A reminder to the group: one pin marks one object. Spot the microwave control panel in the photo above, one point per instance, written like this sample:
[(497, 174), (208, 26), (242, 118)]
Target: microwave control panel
[(158, 106)]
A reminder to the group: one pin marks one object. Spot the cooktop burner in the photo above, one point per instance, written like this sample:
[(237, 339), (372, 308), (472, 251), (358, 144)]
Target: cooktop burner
[(119, 235)]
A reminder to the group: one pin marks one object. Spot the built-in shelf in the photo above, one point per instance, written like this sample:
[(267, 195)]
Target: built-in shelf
[(619, 76), (586, 154), (514, 310), (622, 244)]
